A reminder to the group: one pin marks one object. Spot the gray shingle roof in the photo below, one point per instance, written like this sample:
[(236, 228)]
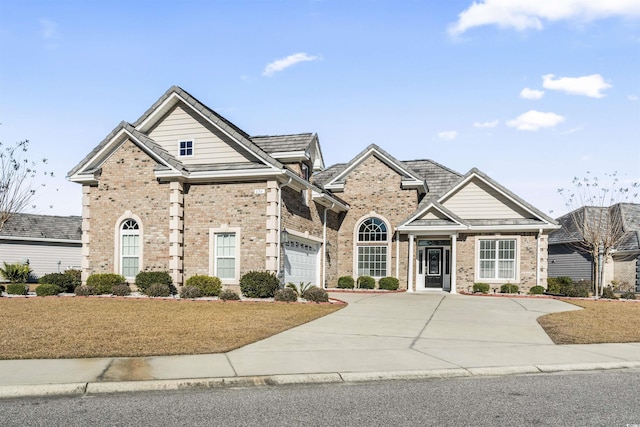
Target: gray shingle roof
[(32, 226), (438, 178), (282, 143), (321, 178)]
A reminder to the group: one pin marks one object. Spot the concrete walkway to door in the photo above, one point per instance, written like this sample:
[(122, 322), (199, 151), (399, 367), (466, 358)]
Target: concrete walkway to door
[(377, 336)]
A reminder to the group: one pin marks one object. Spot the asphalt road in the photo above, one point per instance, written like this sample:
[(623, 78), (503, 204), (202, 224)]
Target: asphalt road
[(598, 398)]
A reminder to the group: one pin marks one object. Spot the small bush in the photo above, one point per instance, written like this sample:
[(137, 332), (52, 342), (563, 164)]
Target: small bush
[(607, 293), (259, 284), (209, 286), (389, 283), (103, 283), (509, 288), (84, 291), (47, 289), (66, 282), (315, 294), (346, 282), (158, 290), (16, 273), (144, 279), (576, 290), (75, 275), (481, 287), (366, 282), (298, 289), (17, 289), (628, 295), (286, 295), (190, 292), (555, 284), (536, 290), (121, 290), (229, 295)]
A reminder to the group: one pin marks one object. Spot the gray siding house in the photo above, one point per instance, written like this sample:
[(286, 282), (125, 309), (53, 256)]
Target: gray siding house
[(50, 244)]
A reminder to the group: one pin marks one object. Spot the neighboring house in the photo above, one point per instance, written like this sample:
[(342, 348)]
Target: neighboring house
[(50, 244), (184, 190), (567, 258)]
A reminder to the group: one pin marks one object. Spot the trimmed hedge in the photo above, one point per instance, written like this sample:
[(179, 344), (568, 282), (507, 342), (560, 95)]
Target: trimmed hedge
[(555, 284), (259, 284), (103, 283), (565, 286), (209, 286), (389, 283), (315, 294), (536, 290), (229, 295), (144, 279), (509, 288), (65, 281), (346, 282), (17, 289), (481, 287), (366, 282), (47, 289), (285, 295)]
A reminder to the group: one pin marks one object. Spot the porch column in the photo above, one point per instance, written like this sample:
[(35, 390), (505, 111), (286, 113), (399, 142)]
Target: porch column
[(411, 261), (454, 270)]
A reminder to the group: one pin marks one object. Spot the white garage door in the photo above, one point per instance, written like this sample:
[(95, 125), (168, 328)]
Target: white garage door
[(301, 262)]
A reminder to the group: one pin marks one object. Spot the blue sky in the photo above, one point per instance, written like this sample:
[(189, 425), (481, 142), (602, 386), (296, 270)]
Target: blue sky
[(533, 93)]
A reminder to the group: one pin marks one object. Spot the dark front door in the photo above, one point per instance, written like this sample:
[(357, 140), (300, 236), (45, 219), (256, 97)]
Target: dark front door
[(434, 268)]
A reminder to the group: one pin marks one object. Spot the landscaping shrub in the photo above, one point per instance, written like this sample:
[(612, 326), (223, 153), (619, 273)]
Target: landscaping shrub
[(607, 293), (144, 279), (298, 289), (389, 283), (315, 294), (190, 292), (366, 282), (509, 288), (66, 282), (481, 287), (286, 295), (75, 275), (346, 282), (576, 290), (103, 283), (47, 289), (158, 290), (555, 284), (84, 291), (209, 286), (628, 295), (536, 290), (17, 289), (259, 284), (15, 273), (229, 295), (121, 290)]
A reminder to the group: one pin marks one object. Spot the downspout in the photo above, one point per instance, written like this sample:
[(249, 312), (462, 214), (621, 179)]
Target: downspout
[(324, 246), (538, 257), (280, 187)]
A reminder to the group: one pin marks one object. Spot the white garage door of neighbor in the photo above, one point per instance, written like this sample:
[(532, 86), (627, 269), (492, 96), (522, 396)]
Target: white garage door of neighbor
[(301, 262)]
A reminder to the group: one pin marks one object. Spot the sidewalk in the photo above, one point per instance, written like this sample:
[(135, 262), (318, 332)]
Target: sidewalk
[(377, 336)]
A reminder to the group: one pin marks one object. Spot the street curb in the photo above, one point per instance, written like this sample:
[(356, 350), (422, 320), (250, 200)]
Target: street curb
[(96, 388)]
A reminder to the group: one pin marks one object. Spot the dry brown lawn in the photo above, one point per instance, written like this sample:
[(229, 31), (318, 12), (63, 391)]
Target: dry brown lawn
[(601, 321), (61, 327)]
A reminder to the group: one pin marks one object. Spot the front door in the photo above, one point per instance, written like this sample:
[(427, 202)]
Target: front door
[(434, 268)]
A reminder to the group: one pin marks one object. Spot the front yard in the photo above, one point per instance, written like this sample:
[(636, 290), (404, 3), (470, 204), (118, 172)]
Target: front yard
[(67, 327)]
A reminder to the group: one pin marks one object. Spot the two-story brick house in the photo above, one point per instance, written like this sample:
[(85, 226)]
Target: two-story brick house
[(184, 190)]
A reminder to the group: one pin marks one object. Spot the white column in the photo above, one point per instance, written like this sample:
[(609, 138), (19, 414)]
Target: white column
[(454, 269), (411, 261), (176, 232)]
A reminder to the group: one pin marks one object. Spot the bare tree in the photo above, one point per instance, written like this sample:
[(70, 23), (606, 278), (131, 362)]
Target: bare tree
[(17, 173), (596, 218)]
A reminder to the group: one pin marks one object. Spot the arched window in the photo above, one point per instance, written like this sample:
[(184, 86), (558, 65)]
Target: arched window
[(372, 247), (129, 248)]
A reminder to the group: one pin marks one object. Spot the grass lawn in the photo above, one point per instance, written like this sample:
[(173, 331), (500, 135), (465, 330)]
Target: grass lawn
[(61, 327), (601, 321)]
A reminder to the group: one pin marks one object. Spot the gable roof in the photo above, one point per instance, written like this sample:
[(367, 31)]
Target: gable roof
[(21, 226), (295, 147)]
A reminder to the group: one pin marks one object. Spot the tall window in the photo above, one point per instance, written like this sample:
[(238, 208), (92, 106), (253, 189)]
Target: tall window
[(497, 259), (129, 248), (225, 255), (372, 243), (186, 148)]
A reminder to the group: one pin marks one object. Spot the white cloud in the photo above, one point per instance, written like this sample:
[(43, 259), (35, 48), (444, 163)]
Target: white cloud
[(448, 135), (531, 14), (484, 125), (573, 130), (281, 64), (632, 97), (527, 93), (591, 86), (534, 120)]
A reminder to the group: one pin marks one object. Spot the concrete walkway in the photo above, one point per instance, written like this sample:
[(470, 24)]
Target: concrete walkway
[(377, 336)]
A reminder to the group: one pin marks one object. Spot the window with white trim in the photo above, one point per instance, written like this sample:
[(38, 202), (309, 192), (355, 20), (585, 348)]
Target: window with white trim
[(372, 243), (129, 248), (225, 256), (497, 259), (185, 148)]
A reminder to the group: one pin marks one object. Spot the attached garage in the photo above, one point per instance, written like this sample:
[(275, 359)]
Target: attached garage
[(301, 262)]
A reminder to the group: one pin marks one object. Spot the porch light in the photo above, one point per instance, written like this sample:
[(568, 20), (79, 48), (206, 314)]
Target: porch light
[(284, 236)]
